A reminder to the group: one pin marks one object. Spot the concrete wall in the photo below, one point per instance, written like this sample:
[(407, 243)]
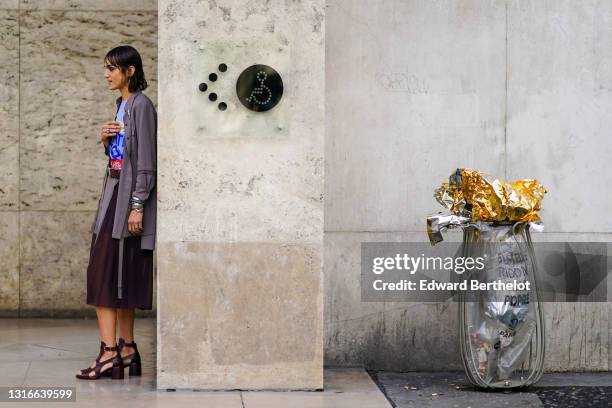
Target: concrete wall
[(415, 89), (53, 100), (240, 221)]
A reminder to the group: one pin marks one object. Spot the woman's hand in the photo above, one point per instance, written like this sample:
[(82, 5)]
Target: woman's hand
[(109, 130), (135, 222)]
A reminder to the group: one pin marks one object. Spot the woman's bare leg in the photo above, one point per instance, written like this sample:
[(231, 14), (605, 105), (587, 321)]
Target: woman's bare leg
[(107, 320), (126, 328)]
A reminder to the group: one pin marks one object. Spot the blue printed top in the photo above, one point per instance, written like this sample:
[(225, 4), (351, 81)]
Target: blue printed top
[(115, 149)]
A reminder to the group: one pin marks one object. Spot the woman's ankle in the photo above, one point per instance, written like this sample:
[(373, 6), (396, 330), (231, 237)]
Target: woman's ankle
[(108, 354)]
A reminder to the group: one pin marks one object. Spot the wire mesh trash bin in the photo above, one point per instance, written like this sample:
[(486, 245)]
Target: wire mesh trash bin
[(501, 332), (501, 319)]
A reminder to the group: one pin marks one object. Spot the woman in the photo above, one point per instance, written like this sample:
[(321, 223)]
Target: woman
[(120, 270)]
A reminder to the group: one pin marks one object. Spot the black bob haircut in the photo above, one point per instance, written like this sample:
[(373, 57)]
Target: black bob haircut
[(123, 56)]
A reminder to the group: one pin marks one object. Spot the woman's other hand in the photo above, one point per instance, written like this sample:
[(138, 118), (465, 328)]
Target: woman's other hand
[(135, 222), (109, 130)]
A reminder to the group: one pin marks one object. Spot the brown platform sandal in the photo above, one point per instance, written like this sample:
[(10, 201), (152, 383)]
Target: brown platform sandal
[(131, 360), (115, 370)]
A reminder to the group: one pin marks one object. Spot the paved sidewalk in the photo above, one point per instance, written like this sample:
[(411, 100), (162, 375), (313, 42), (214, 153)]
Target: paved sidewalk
[(48, 352), (451, 390)]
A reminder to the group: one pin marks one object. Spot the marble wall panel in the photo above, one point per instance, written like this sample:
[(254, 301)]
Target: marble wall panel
[(54, 248), (411, 336), (241, 218), (559, 101), (395, 336), (53, 99), (9, 4), (250, 313), (414, 89), (9, 267), (9, 109), (64, 100), (105, 5)]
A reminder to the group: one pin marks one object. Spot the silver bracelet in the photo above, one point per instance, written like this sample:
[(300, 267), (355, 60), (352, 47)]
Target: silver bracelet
[(136, 200)]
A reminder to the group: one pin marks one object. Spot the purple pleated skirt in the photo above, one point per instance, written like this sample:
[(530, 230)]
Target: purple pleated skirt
[(137, 285)]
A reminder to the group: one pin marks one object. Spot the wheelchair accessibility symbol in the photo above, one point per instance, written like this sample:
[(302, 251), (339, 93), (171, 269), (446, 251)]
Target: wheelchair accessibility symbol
[(259, 88)]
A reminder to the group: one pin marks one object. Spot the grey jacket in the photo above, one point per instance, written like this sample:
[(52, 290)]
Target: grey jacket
[(138, 173)]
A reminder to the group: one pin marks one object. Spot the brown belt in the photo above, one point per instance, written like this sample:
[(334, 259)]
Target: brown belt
[(114, 173)]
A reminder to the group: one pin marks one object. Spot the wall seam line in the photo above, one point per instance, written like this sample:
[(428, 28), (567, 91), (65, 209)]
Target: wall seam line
[(19, 268), (506, 102)]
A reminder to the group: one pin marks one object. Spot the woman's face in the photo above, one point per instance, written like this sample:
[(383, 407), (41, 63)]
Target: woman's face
[(115, 79)]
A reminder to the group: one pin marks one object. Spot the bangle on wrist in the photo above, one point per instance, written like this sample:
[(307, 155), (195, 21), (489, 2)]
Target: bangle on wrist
[(137, 204)]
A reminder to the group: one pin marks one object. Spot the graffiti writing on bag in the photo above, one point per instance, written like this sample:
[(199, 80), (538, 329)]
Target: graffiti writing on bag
[(510, 257), (512, 265), (516, 300)]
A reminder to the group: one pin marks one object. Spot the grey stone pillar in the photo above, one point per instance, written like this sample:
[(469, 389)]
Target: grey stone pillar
[(240, 221)]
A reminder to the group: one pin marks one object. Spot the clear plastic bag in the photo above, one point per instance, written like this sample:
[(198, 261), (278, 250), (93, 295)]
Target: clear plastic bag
[(501, 332)]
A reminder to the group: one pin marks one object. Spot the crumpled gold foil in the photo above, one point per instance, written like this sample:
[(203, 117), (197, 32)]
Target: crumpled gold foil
[(482, 197)]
